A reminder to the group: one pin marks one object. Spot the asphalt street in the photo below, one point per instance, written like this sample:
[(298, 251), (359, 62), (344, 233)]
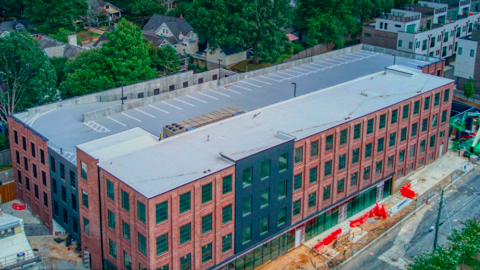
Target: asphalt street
[(396, 249)]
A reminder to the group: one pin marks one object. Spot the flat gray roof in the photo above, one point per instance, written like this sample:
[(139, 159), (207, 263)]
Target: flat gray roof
[(64, 127), (184, 158)]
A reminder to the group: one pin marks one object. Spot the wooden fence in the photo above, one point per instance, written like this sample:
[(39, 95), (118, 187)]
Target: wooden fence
[(7, 192)]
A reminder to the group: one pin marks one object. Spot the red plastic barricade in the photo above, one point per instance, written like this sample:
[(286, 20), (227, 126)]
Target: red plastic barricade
[(407, 192), (18, 206), (359, 221), (374, 211), (382, 212), (328, 240)]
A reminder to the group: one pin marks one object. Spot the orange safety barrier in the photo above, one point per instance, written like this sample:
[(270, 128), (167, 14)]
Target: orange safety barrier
[(328, 240)]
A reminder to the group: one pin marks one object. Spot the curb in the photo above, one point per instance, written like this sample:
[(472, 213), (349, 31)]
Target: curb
[(402, 220)]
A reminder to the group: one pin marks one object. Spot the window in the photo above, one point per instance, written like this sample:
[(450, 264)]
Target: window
[(282, 189), (424, 124), (343, 136), (341, 162), (112, 248), (328, 168), (383, 118), (247, 206), (326, 193), (15, 134), (247, 176), (410, 45), (18, 157), (313, 174), (265, 167), (405, 111), (368, 150), (444, 116), (206, 223), (264, 225), (161, 212), (162, 244), (378, 167), (314, 149), (62, 171), (83, 170), (366, 173), (370, 126), (446, 96), (75, 224), (185, 234), (24, 143), (127, 261), (125, 201), (72, 180), (426, 105), (111, 220), (403, 134), (55, 208), (412, 151), (84, 199), (32, 148), (207, 253), (247, 234), (399, 43), (36, 190), (227, 242), (297, 181), (432, 141), (434, 121), (86, 226), (25, 163), (185, 202), (19, 173), (460, 50), (141, 211), (110, 192), (298, 154), (27, 182), (297, 207), (353, 179), (390, 162), (401, 157), (442, 133), (227, 214), (282, 162), (414, 129), (282, 214), (42, 156), (356, 131), (445, 37), (45, 199), (328, 143), (142, 244), (355, 154), (207, 193), (341, 186), (74, 202), (126, 231), (64, 194), (34, 169), (380, 144), (264, 197), (422, 146), (394, 117), (392, 139), (436, 99), (416, 107)]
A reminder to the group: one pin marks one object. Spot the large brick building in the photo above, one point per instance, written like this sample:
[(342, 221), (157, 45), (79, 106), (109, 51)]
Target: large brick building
[(240, 192)]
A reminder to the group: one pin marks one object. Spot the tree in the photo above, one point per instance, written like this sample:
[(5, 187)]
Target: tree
[(180, 10), (165, 60), (60, 12), (468, 89), (12, 8), (26, 76), (59, 64), (146, 8), (61, 35)]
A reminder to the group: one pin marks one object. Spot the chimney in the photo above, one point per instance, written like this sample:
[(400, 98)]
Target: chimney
[(181, 16), (72, 40)]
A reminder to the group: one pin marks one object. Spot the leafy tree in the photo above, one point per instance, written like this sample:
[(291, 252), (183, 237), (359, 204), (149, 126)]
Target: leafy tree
[(59, 64), (367, 10), (13, 8), (180, 10), (165, 60), (61, 35), (63, 12), (26, 76), (146, 8), (468, 89)]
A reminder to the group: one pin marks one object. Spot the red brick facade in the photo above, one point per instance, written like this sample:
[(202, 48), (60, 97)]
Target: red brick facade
[(435, 68), (32, 188)]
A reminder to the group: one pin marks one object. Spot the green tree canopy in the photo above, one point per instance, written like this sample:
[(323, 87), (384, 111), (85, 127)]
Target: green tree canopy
[(62, 11), (165, 60), (147, 8), (26, 76), (11, 8)]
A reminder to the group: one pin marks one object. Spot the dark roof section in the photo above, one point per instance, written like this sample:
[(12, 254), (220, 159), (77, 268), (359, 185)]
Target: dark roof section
[(69, 51), (176, 25), (227, 50), (12, 25), (103, 37)]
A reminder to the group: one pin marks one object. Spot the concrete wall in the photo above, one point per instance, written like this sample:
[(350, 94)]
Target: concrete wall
[(464, 62), (374, 37)]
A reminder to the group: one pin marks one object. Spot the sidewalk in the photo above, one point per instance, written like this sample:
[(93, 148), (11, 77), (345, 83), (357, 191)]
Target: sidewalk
[(425, 183)]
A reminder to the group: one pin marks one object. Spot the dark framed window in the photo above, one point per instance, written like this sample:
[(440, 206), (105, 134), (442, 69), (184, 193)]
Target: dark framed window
[(282, 216), (353, 179), (247, 234), (62, 171), (111, 220), (34, 169), (25, 163), (45, 199), (314, 149), (125, 201), (426, 105), (141, 211), (24, 143), (282, 189), (380, 145), (162, 244), (446, 95), (403, 134), (436, 99), (341, 162), (74, 202), (383, 119), (52, 164), (206, 223), (406, 111), (416, 107), (247, 176), (161, 212), (126, 231), (444, 116), (185, 202), (312, 200), (42, 156), (328, 143), (424, 124), (32, 148), (207, 253), (412, 151), (297, 207), (127, 261), (84, 199), (401, 157), (299, 155), (265, 197), (112, 248), (227, 242), (15, 135), (64, 194), (393, 138), (326, 193), (341, 186), (55, 208), (207, 193), (390, 162), (142, 244), (86, 226), (227, 214), (414, 129), (313, 174), (366, 173), (422, 146), (368, 150), (297, 181), (357, 129), (355, 155), (247, 205), (283, 162), (185, 235), (434, 121), (264, 225), (379, 167), (19, 173), (328, 168), (265, 169), (370, 126), (27, 182), (343, 137), (432, 141), (394, 117), (110, 191), (35, 188), (72, 180)]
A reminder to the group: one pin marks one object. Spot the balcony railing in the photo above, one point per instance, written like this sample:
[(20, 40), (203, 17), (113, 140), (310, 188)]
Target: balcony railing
[(464, 2), (441, 10), (389, 16)]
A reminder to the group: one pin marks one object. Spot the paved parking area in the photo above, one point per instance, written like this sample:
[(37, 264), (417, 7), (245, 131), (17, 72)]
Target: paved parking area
[(247, 95)]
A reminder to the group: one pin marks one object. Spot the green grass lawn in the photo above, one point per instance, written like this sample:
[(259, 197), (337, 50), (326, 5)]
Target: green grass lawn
[(246, 65), (86, 35)]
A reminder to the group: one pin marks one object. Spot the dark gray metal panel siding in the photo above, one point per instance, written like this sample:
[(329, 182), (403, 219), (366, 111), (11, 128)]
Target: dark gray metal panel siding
[(254, 191), (70, 189)]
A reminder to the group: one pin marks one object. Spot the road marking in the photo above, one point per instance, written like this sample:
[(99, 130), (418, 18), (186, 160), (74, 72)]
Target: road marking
[(293, 76), (196, 98), (276, 76), (36, 115), (145, 113), (260, 81), (335, 64), (345, 58), (131, 117), (220, 93), (158, 109), (184, 102), (231, 90), (97, 127), (269, 78), (290, 70), (251, 84), (303, 69), (207, 96), (178, 108), (118, 122), (40, 115), (241, 87), (316, 64)]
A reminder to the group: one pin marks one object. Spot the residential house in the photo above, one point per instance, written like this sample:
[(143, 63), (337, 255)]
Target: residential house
[(112, 11), (9, 26), (55, 48), (227, 55), (467, 62)]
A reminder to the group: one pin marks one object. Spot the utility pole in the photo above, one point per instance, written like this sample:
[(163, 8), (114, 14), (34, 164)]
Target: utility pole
[(294, 89), (219, 60), (438, 222), (122, 93)]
